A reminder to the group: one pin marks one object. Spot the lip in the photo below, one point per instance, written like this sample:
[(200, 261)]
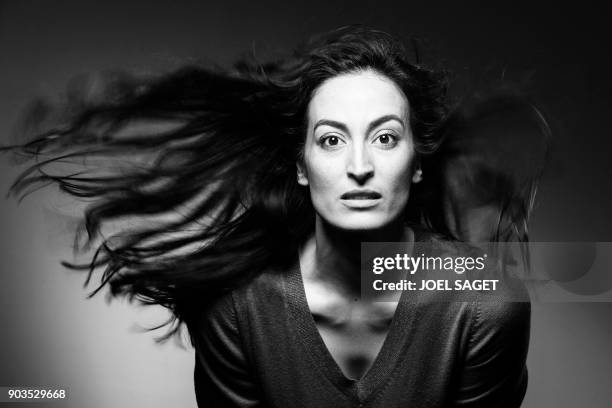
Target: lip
[(361, 199), (365, 195)]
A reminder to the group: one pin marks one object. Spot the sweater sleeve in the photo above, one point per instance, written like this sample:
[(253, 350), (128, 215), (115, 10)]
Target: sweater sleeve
[(222, 375), (494, 372)]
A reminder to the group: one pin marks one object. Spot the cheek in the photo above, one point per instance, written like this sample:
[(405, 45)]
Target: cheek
[(323, 173), (398, 173)]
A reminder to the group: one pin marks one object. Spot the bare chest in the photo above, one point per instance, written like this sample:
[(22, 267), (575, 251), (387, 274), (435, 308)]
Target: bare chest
[(352, 331)]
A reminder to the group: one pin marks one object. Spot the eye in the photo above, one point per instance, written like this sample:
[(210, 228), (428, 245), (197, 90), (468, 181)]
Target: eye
[(386, 140), (330, 141)]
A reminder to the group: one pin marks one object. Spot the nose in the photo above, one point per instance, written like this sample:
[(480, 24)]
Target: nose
[(360, 167)]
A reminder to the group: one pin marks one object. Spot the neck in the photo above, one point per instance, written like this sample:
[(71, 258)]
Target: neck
[(334, 255)]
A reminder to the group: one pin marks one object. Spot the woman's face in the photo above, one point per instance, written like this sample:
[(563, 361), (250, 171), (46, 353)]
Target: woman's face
[(359, 152)]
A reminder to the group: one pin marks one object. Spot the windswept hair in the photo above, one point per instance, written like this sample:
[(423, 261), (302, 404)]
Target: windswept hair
[(483, 179), (202, 162), (211, 164)]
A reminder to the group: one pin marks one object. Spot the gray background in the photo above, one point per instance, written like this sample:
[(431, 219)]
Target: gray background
[(50, 335)]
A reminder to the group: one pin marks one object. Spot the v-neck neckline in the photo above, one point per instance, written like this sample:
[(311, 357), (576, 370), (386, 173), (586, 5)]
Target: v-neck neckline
[(387, 359)]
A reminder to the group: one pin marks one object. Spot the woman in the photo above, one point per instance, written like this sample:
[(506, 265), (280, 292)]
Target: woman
[(264, 181)]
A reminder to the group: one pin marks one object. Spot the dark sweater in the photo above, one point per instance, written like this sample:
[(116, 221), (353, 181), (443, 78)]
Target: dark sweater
[(259, 346)]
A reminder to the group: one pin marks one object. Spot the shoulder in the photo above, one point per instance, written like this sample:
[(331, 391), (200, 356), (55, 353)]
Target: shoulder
[(509, 321), (259, 294), (501, 314), (216, 318), (499, 338), (494, 371), (264, 286), (262, 290)]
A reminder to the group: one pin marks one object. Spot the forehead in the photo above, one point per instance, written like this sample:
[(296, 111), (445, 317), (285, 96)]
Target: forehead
[(357, 97)]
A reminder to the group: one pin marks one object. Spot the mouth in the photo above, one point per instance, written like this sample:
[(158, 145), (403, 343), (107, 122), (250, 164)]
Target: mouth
[(361, 195)]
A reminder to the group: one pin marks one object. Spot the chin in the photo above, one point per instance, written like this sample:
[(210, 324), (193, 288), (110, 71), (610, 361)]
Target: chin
[(361, 222)]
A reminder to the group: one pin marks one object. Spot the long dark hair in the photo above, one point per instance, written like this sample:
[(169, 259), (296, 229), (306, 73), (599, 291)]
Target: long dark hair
[(205, 158), (211, 153)]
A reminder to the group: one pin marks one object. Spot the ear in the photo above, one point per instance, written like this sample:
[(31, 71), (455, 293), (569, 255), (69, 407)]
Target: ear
[(302, 178), (417, 176)]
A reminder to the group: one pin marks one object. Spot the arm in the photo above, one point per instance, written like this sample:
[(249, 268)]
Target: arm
[(222, 376), (495, 372)]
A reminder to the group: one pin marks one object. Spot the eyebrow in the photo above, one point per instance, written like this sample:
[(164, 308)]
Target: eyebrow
[(375, 123)]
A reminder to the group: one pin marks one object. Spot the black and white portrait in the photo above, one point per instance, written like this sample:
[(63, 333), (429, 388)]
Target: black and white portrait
[(243, 204)]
